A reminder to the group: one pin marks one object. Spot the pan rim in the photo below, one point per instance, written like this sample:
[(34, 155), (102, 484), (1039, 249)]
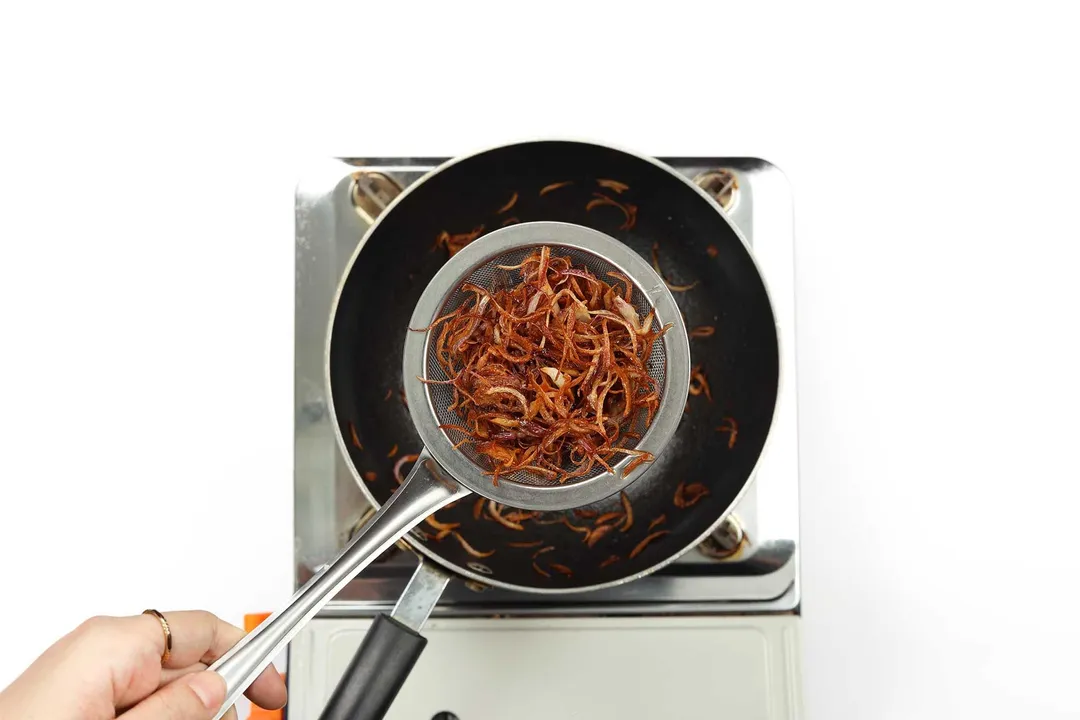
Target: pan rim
[(485, 579)]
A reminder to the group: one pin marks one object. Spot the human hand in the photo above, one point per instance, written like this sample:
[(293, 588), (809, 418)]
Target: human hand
[(110, 667)]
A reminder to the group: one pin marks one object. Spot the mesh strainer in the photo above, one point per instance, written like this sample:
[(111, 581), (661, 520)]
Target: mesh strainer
[(442, 473), (479, 263)]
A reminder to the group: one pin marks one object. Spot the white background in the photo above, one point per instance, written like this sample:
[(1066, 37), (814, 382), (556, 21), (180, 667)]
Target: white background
[(147, 160)]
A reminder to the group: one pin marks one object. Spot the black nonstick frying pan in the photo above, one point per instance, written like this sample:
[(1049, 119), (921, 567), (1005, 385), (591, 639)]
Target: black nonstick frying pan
[(734, 345)]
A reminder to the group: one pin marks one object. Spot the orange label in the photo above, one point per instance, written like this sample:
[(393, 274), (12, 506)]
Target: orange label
[(253, 621), (257, 713)]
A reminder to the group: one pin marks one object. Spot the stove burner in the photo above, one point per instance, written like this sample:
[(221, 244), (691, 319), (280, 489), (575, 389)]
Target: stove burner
[(727, 542), (371, 192), (723, 185)]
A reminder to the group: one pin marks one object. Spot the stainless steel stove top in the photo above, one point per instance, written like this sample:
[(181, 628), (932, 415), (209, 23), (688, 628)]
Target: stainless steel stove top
[(750, 565)]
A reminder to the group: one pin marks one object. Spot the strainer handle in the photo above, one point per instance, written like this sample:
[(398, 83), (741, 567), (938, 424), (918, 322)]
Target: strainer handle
[(427, 489)]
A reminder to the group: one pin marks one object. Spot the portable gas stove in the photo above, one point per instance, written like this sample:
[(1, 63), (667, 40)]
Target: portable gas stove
[(715, 631)]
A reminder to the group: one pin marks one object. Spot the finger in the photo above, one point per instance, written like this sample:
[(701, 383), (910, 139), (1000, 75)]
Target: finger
[(169, 675), (197, 636), (202, 637), (230, 714), (194, 697), (268, 691)]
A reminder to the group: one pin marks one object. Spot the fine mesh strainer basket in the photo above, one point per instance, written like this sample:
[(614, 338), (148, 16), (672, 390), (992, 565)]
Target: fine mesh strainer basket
[(491, 275), (478, 263), (443, 473)]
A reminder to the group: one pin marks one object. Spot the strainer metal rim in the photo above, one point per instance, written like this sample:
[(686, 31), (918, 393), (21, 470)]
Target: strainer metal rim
[(445, 282)]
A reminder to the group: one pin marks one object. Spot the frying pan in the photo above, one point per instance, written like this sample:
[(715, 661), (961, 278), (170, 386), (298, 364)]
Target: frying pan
[(645, 205)]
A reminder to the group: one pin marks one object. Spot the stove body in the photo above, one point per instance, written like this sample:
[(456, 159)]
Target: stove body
[(715, 632)]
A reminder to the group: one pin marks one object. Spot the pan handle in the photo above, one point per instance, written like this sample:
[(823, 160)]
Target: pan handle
[(390, 649), (427, 489)]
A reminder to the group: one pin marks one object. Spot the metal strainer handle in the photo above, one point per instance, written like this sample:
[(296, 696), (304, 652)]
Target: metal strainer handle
[(425, 490)]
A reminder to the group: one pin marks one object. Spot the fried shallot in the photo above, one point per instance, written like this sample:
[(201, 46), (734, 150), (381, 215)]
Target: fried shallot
[(561, 568), (470, 549), (608, 516), (656, 267), (509, 204), (688, 495), (731, 428), (575, 528), (628, 509), (454, 243), (614, 185), (434, 522), (648, 539), (629, 211), (555, 186), (495, 510), (410, 458), (597, 533), (699, 383)]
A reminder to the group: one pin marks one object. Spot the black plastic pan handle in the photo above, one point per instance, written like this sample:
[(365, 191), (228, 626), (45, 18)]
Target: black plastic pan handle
[(388, 653), (376, 673)]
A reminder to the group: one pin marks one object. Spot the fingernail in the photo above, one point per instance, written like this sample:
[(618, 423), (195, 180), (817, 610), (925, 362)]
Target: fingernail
[(210, 687)]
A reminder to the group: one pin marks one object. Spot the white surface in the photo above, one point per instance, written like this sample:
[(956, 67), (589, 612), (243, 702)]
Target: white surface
[(146, 175), (595, 668)]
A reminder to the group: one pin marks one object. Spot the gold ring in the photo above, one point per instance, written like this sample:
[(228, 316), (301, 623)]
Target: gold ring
[(168, 633)]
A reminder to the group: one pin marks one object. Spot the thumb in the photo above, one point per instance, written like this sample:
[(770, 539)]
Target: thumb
[(193, 697)]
